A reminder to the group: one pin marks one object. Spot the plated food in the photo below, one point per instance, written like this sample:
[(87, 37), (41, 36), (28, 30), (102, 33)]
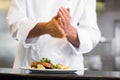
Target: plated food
[(46, 63), (46, 66)]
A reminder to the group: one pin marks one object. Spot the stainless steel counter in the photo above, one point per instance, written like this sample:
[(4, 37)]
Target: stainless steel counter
[(19, 74)]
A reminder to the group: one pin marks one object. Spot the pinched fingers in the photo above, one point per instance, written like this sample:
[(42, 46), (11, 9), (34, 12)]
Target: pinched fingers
[(64, 18), (65, 14)]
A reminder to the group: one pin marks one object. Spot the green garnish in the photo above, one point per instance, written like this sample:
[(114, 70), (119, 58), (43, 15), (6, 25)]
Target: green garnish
[(55, 67), (45, 60)]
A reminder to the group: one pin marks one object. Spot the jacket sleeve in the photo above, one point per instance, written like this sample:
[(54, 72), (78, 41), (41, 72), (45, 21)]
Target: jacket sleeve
[(88, 31), (18, 23)]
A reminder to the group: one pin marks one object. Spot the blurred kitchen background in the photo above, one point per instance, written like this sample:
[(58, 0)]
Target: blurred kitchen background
[(106, 55)]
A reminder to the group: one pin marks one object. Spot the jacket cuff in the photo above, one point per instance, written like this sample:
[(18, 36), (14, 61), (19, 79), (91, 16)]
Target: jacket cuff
[(23, 31), (85, 43)]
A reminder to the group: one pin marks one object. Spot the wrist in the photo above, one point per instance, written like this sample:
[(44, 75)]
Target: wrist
[(41, 28), (71, 31), (72, 36)]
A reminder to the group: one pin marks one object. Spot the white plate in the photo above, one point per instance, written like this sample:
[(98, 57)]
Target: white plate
[(52, 70)]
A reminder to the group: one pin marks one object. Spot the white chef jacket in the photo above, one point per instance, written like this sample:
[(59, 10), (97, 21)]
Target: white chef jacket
[(23, 15)]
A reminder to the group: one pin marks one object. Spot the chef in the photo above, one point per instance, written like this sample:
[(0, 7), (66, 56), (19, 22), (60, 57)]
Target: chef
[(60, 30)]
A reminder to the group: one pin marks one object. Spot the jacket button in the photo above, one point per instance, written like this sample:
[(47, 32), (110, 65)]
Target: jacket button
[(78, 24)]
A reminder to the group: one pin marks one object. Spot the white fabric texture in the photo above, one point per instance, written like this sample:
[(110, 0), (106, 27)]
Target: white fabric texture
[(23, 15)]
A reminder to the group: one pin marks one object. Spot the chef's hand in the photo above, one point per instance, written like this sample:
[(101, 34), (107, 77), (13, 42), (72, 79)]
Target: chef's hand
[(64, 21), (54, 29)]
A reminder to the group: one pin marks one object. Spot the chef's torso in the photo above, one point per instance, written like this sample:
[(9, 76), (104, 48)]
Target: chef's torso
[(57, 50)]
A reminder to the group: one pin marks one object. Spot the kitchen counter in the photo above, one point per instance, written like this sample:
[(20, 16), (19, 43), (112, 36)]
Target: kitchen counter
[(20, 74)]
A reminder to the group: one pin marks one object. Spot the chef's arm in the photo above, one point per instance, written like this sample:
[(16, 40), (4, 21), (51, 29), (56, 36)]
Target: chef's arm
[(37, 30), (72, 36), (50, 27), (88, 30)]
